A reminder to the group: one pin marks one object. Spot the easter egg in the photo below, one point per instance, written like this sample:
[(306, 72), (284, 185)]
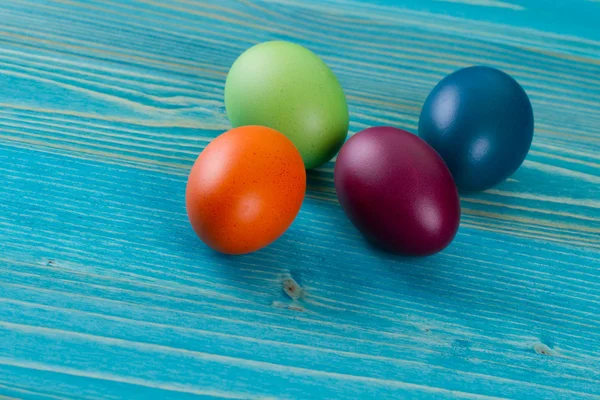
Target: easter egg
[(245, 189), (397, 191), (480, 121), (287, 87)]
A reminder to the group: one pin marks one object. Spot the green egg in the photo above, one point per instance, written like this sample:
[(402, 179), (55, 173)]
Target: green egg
[(288, 88)]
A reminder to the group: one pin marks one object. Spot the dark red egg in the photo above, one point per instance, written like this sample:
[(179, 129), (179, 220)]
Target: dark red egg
[(397, 191)]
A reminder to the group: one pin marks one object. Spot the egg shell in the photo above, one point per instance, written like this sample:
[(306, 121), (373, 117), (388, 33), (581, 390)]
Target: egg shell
[(287, 87), (480, 121), (397, 191), (245, 189)]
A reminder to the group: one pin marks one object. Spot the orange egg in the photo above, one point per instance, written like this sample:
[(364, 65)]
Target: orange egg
[(245, 189)]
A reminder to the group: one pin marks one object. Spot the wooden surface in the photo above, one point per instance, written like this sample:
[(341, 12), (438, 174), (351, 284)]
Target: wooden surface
[(106, 293)]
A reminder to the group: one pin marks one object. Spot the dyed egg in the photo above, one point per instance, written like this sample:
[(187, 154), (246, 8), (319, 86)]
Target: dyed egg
[(245, 189), (397, 191), (480, 121), (289, 88)]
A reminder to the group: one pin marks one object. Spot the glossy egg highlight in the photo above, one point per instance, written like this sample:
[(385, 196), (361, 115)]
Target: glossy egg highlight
[(245, 189), (397, 191), (480, 121), (287, 87)]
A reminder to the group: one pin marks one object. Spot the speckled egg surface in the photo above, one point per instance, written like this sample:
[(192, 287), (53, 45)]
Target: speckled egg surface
[(245, 189), (287, 87)]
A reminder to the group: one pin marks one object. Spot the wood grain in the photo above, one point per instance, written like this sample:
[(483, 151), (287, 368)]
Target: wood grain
[(106, 293)]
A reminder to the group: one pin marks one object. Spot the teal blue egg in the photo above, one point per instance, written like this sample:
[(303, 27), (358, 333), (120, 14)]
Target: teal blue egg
[(480, 121)]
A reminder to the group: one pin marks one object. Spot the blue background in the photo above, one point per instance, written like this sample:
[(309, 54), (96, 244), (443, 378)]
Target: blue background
[(106, 293)]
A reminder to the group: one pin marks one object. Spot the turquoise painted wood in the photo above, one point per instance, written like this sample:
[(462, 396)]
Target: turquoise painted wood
[(105, 292)]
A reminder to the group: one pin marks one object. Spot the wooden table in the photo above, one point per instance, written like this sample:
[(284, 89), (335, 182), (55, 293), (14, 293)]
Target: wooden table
[(106, 293)]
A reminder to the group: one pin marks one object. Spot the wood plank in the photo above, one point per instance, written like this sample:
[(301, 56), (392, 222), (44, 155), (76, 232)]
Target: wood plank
[(106, 293)]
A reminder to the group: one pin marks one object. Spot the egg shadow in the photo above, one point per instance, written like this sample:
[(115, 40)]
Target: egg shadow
[(413, 270), (266, 269), (242, 273), (299, 253), (320, 183), (419, 272), (321, 186)]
